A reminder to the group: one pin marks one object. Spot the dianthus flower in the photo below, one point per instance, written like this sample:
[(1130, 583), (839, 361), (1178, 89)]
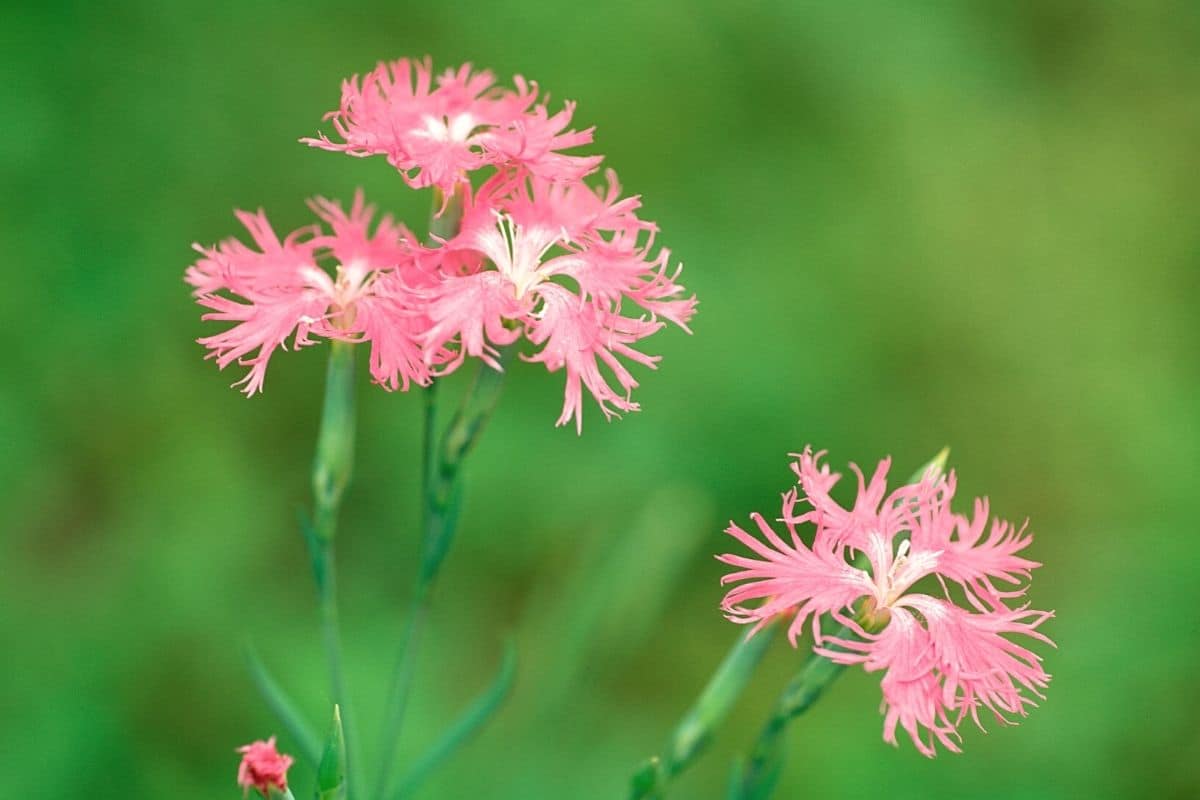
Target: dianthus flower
[(538, 254), (281, 289), (941, 661), (435, 131), (569, 268), (263, 767)]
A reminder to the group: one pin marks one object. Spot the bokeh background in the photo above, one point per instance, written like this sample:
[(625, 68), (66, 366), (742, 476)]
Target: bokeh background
[(909, 225)]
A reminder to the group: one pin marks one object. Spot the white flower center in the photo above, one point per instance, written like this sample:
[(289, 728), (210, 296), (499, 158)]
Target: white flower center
[(447, 129), (894, 574), (893, 590), (517, 252), (343, 290)]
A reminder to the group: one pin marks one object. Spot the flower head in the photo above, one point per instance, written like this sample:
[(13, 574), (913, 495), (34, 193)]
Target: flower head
[(571, 270), (263, 767), (436, 130), (942, 661), (539, 255), (348, 282)]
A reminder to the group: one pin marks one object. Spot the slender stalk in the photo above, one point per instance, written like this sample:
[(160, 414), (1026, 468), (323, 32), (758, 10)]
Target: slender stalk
[(757, 777), (331, 637), (693, 733), (441, 497), (332, 469)]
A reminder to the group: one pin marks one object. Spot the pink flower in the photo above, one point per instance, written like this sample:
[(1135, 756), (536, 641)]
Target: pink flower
[(539, 255), (941, 662), (263, 767), (436, 131), (280, 290), (571, 270)]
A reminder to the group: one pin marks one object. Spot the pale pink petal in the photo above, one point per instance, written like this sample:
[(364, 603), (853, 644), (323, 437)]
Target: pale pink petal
[(978, 663), (659, 292), (285, 292), (912, 694), (610, 271), (262, 326), (971, 558), (389, 246), (533, 140), (378, 113), (394, 332), (467, 315), (788, 579), (845, 526), (573, 206), (233, 266), (578, 336)]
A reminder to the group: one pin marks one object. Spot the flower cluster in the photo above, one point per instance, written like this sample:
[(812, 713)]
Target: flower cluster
[(942, 660), (538, 254), (263, 767)]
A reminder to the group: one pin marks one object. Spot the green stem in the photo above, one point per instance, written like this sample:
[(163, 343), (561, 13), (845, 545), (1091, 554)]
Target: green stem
[(332, 469), (695, 730), (441, 494), (442, 500), (757, 778), (334, 460)]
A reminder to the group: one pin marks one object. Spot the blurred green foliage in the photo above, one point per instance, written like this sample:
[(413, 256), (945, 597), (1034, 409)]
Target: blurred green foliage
[(909, 225)]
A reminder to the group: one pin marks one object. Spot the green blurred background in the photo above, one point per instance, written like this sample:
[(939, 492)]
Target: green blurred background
[(969, 224)]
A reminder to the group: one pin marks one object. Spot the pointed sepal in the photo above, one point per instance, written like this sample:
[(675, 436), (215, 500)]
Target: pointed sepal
[(331, 774)]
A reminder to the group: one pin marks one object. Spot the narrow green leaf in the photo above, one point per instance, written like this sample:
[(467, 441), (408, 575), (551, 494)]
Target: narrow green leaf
[(283, 708), (468, 723), (331, 774)]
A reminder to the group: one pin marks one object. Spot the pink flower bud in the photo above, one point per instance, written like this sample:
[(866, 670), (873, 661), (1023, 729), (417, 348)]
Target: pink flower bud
[(263, 767)]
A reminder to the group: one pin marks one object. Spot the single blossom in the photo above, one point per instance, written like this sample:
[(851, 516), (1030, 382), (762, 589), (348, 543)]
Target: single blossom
[(942, 661), (436, 130), (263, 767), (570, 269), (348, 282)]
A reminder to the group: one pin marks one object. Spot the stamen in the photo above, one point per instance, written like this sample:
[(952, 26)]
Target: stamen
[(524, 249)]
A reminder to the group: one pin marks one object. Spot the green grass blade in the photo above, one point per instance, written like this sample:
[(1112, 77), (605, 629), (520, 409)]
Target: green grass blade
[(467, 724), (283, 707)]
